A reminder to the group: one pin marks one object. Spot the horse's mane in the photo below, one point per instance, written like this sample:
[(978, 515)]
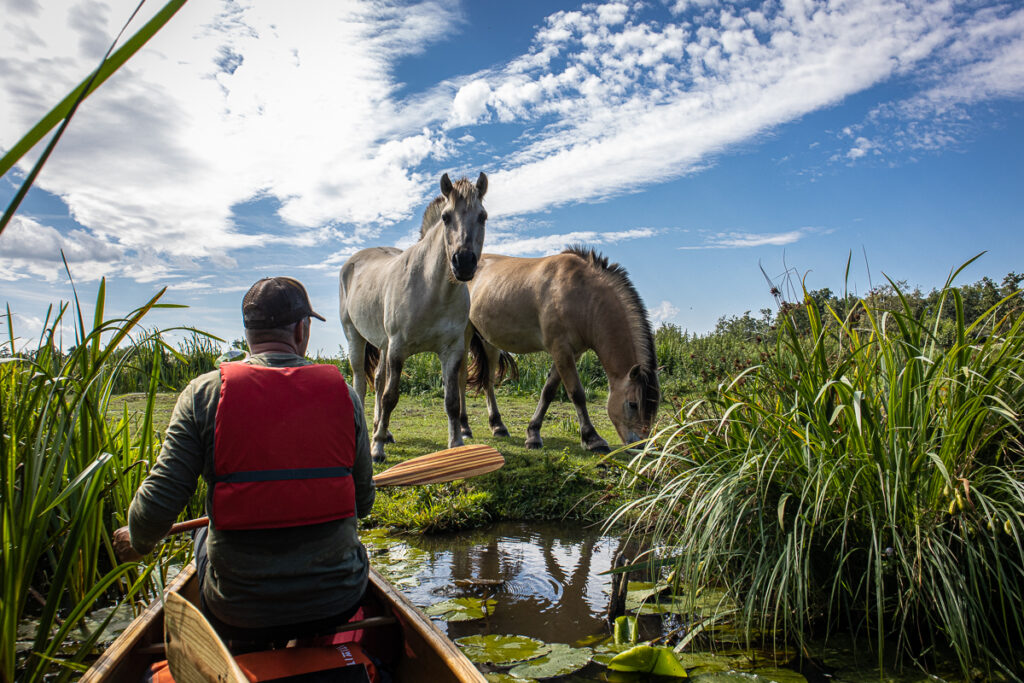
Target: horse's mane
[(463, 189), (639, 323)]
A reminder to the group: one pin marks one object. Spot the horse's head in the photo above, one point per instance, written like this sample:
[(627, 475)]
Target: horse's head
[(464, 217), (633, 402)]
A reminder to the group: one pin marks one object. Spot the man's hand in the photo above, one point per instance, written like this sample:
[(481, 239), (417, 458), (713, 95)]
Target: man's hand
[(123, 546)]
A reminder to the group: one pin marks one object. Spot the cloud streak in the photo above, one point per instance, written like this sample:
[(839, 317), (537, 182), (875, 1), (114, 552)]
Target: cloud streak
[(241, 100)]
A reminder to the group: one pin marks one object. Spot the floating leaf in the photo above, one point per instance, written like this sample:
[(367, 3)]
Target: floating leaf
[(660, 661), (498, 677), (461, 609), (561, 661), (758, 676), (502, 650), (626, 629)]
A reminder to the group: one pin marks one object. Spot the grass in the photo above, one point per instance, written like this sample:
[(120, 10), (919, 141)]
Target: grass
[(561, 481), (68, 470), (865, 479)]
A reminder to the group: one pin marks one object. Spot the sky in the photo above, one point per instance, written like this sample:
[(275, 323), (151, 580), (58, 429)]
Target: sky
[(697, 143)]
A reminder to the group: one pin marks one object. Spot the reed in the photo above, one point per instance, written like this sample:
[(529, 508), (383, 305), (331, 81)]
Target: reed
[(865, 478), (67, 474)]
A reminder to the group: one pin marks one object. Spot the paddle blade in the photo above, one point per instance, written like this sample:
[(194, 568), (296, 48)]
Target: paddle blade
[(447, 465), (195, 653)]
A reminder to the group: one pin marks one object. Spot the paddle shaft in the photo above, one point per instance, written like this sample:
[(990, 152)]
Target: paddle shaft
[(447, 465)]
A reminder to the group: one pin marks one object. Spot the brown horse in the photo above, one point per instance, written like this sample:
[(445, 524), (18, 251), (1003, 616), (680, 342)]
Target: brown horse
[(566, 304)]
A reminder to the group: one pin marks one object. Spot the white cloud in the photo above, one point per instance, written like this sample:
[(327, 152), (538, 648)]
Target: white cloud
[(663, 312), (545, 245), (649, 101), (300, 103), (743, 240), (470, 103), (228, 102)]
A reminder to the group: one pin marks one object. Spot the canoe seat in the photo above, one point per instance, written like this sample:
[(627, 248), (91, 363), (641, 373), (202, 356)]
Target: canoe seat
[(196, 654)]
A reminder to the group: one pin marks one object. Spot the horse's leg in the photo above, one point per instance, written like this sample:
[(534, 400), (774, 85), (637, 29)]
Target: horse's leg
[(493, 415), (566, 365), (357, 356), (547, 394), (387, 399), (453, 367), (463, 374)]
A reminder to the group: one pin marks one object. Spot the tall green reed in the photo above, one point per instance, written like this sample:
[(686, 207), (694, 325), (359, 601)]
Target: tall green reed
[(67, 473), (864, 479)]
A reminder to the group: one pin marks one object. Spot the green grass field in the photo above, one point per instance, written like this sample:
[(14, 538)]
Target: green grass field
[(560, 481)]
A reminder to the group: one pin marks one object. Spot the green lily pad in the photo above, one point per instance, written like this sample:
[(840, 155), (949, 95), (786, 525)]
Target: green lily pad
[(461, 609), (758, 676), (660, 661), (561, 661), (499, 677), (501, 650)]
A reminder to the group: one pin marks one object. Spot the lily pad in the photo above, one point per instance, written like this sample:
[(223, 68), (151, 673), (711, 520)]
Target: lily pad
[(759, 676), (461, 609), (501, 650), (498, 677), (561, 661), (660, 661)]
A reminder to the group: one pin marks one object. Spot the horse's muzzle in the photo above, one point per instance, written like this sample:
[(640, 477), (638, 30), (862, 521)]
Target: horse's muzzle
[(464, 265)]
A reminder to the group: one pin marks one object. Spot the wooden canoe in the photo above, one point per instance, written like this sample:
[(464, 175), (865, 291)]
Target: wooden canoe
[(418, 651)]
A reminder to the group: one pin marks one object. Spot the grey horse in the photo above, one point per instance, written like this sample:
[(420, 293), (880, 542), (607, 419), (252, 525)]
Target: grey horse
[(395, 303)]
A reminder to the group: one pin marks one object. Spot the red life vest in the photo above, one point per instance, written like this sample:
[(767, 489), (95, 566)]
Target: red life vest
[(283, 448)]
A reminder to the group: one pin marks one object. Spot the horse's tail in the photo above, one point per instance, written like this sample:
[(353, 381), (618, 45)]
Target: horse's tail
[(480, 367), (371, 358), (507, 367)]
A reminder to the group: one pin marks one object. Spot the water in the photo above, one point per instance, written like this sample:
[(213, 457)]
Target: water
[(551, 586), (551, 589)]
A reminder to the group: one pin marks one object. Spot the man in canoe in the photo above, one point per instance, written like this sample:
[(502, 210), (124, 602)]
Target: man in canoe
[(283, 447)]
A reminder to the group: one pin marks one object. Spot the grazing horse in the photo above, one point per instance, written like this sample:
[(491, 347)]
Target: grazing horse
[(398, 303), (565, 304)]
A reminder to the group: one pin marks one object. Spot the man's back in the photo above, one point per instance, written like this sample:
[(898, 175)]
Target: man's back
[(257, 577)]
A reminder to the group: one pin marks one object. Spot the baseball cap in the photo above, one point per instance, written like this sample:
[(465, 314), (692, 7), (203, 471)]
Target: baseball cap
[(276, 302)]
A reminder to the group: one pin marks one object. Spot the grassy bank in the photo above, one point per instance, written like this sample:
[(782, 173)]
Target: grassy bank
[(561, 481)]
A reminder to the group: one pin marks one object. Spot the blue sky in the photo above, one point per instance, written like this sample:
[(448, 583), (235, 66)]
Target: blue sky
[(692, 141)]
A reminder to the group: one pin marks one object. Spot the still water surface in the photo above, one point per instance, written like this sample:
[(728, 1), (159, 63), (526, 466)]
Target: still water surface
[(552, 589)]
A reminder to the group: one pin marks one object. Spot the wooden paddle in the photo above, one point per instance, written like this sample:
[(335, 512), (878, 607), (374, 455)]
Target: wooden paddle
[(450, 464)]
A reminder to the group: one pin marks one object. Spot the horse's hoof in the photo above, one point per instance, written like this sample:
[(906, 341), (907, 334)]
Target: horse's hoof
[(389, 438), (599, 446), (467, 432), (501, 432), (534, 445)]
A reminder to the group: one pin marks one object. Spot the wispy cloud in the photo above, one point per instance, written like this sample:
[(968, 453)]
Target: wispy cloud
[(545, 245), (301, 104), (743, 240)]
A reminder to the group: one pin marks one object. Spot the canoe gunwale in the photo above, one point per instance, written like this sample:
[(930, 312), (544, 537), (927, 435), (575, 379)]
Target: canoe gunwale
[(115, 665)]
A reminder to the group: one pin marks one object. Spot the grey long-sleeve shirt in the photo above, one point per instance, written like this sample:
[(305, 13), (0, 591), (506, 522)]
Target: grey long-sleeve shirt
[(259, 577)]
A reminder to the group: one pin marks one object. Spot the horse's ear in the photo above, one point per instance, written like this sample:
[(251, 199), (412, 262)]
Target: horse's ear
[(634, 372), (481, 185), (446, 185)]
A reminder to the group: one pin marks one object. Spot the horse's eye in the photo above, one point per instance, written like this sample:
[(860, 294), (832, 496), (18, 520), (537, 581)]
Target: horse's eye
[(447, 218), (482, 217), (633, 405)]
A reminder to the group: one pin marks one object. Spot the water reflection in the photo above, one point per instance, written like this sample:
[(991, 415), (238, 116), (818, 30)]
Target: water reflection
[(550, 585)]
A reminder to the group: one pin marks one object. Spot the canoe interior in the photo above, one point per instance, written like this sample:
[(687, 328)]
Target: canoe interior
[(412, 649)]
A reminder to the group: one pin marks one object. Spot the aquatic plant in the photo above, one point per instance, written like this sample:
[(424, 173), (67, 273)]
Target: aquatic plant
[(865, 478), (68, 471)]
